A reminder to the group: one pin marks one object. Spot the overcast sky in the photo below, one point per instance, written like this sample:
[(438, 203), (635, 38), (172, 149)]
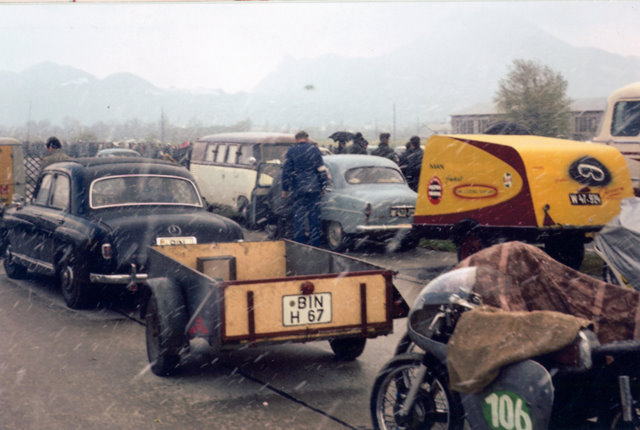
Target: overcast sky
[(233, 45)]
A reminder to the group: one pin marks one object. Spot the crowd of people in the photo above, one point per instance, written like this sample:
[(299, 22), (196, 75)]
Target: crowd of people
[(410, 161)]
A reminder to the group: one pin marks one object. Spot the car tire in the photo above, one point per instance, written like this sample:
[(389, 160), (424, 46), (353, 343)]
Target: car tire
[(244, 209), (337, 239), (13, 269), (348, 348), (469, 244), (73, 278), (164, 342), (568, 250)]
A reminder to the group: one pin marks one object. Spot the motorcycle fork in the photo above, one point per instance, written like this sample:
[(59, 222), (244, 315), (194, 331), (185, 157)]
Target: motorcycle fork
[(626, 400), (413, 390)]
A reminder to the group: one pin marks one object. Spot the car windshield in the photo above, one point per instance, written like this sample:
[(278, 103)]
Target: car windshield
[(373, 175), (129, 190)]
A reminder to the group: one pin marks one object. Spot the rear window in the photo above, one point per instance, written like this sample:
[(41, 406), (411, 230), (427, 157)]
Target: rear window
[(626, 119), (373, 175), (130, 190)]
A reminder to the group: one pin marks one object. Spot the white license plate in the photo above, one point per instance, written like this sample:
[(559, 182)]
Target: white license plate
[(189, 240), (402, 211), (304, 309)]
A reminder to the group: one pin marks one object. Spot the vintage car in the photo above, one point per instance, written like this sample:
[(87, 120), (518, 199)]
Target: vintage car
[(367, 197), (91, 221)]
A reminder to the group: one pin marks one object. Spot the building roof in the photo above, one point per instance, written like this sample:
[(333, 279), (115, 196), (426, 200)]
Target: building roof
[(580, 105)]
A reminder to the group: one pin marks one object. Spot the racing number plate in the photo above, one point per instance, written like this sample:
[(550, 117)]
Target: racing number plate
[(303, 309), (189, 240)]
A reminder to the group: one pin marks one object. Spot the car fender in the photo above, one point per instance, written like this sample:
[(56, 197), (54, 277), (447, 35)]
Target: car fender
[(171, 304), (344, 209)]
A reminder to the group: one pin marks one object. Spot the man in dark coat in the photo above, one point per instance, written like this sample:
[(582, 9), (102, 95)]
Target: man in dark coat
[(305, 176), (412, 162), (384, 150), (359, 145), (341, 148), (55, 152)]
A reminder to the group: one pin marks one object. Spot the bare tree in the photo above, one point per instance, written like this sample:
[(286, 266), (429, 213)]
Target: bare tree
[(534, 96)]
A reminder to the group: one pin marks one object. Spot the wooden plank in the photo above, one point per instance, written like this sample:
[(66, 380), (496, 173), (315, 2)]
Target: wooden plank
[(346, 298), (254, 260)]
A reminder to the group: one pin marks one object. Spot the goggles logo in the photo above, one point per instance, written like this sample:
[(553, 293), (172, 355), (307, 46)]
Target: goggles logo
[(589, 171)]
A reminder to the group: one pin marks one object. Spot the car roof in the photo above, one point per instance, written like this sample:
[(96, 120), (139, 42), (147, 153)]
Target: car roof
[(250, 137), (101, 166), (349, 161), (118, 151)]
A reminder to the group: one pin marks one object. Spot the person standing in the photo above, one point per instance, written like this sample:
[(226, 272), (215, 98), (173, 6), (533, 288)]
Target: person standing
[(412, 163), (304, 175), (359, 145), (55, 153), (384, 150)]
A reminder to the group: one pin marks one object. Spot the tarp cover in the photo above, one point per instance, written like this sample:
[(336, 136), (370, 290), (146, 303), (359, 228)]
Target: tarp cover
[(540, 283), (537, 283), (487, 339), (619, 241)]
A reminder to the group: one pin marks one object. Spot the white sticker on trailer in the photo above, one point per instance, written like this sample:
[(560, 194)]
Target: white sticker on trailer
[(304, 309)]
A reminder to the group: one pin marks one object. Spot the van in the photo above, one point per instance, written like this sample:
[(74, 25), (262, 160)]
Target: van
[(12, 180), (620, 128), (478, 190), (225, 165)]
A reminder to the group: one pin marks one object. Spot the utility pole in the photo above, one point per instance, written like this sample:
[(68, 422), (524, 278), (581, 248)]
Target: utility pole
[(394, 122), (162, 121), (29, 123)]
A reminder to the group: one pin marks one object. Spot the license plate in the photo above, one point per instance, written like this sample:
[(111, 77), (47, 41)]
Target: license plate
[(304, 309), (402, 211), (585, 199), (188, 240)]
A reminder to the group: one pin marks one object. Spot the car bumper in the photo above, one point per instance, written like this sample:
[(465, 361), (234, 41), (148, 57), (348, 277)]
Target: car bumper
[(381, 228), (98, 278)]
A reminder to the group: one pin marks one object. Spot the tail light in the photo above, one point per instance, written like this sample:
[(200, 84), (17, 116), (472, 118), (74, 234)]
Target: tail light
[(107, 251)]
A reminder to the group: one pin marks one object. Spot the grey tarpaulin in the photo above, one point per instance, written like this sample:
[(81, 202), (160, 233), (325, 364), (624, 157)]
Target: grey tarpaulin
[(619, 241)]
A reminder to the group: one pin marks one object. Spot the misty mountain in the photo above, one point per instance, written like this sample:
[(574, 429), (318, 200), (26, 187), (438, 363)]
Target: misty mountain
[(425, 81)]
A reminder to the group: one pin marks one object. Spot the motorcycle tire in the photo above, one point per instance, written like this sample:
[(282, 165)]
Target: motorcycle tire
[(436, 407)]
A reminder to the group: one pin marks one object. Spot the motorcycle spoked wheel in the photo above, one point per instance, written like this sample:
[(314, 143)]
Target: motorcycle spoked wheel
[(613, 419), (435, 407)]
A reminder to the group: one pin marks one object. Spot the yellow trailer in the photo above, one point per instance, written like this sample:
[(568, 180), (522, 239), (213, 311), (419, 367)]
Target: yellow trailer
[(484, 189), (240, 293)]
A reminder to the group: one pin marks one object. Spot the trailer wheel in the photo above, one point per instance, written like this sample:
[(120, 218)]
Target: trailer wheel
[(568, 250), (164, 342), (468, 245), (348, 348)]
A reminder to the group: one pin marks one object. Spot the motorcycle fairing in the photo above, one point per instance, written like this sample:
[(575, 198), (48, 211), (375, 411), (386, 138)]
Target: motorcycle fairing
[(520, 398)]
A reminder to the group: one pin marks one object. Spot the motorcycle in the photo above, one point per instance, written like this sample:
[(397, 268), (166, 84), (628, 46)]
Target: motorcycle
[(581, 385)]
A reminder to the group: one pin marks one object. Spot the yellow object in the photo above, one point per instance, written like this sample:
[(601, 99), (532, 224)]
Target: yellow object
[(12, 173), (520, 181)]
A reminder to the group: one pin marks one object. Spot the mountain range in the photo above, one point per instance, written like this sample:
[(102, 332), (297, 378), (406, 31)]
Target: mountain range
[(424, 81)]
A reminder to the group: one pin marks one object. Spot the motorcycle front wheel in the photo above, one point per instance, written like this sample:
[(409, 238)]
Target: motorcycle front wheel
[(435, 406)]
